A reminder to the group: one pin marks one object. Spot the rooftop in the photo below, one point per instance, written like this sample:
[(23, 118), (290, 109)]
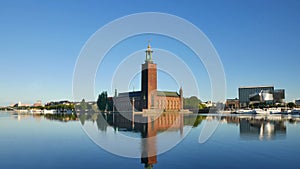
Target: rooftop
[(167, 93), (130, 94), (159, 93), (242, 87)]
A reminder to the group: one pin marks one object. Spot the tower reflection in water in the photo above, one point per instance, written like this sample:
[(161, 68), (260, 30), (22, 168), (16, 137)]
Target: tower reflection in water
[(148, 125)]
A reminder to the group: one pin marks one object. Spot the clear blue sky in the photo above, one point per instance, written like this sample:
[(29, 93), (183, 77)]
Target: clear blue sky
[(257, 41)]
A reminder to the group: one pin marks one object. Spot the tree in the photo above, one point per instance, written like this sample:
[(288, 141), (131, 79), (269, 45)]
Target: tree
[(102, 101), (202, 106), (291, 105), (191, 103), (110, 105), (83, 105)]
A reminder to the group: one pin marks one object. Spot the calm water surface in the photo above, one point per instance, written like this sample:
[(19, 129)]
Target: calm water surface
[(35, 142)]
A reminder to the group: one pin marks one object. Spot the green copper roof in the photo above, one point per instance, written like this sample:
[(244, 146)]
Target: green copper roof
[(168, 94)]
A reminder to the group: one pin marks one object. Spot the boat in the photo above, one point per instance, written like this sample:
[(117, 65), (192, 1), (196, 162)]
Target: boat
[(261, 111), (52, 111), (34, 111), (295, 111), (225, 112), (275, 111), (245, 111), (267, 111)]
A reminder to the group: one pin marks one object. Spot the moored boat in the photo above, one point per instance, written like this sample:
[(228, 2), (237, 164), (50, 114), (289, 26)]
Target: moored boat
[(295, 111), (245, 111), (261, 111), (275, 111), (45, 111)]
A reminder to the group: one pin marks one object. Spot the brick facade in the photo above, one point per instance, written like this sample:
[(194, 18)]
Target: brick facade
[(149, 84), (149, 97)]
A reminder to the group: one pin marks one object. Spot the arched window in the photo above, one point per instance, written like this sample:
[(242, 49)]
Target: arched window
[(173, 106)]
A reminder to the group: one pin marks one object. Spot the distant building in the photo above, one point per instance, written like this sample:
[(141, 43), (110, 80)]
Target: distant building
[(259, 94), (279, 95), (245, 92), (209, 104), (232, 104), (149, 97), (264, 96), (297, 102), (19, 104), (38, 103)]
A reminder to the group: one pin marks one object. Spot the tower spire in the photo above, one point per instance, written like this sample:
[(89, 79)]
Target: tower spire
[(149, 52)]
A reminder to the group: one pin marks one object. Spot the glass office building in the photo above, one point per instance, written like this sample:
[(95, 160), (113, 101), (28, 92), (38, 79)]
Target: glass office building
[(246, 91)]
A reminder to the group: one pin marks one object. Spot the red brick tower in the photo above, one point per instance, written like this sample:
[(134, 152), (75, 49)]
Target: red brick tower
[(149, 81)]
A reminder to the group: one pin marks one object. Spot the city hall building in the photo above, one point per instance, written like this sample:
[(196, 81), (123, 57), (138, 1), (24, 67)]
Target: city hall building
[(149, 97)]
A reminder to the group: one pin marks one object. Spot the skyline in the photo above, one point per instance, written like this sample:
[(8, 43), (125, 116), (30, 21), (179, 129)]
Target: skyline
[(41, 42)]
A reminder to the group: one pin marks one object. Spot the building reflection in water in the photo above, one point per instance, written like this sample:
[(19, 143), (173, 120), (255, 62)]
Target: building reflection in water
[(148, 125), (263, 129), (259, 127)]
